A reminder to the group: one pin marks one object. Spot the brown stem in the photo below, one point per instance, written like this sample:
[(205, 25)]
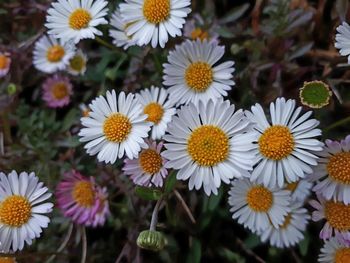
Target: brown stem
[(185, 207)]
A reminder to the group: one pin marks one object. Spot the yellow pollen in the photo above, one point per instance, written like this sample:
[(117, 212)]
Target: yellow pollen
[(287, 221), (117, 128), (7, 260), (15, 211), (342, 255), (154, 111), (338, 167), (151, 162), (55, 53), (4, 61), (292, 186), (208, 145), (199, 76), (59, 90), (83, 193), (338, 215), (259, 199), (198, 33), (77, 63), (79, 19), (276, 143), (156, 11)]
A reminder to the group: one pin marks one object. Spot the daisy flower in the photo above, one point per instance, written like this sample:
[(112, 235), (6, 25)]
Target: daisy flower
[(77, 64), (153, 20), (342, 40), (290, 232), (76, 19), (7, 259), (85, 110), (334, 251), (21, 210), (337, 216), (208, 144), (333, 170), (196, 28), (148, 169), (115, 126), (57, 91), (157, 107), (284, 147), (80, 199), (300, 190), (255, 206), (5, 62), (120, 38), (192, 76)]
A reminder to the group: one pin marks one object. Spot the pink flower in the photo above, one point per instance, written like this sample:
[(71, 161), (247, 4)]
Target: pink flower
[(80, 199), (57, 91), (5, 62)]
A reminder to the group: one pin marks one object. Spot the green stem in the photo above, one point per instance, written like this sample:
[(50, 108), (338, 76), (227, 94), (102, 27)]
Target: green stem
[(107, 45), (337, 124)]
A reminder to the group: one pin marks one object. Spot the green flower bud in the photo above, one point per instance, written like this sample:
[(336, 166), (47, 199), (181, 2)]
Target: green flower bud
[(151, 240), (11, 89), (315, 94)]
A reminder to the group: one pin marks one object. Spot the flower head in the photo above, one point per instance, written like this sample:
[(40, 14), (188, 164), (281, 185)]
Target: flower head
[(5, 63), (315, 94), (342, 40), (57, 91), (77, 64), (197, 28), (335, 251)]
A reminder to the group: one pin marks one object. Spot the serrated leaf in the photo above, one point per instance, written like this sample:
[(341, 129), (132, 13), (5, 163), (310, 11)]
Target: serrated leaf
[(147, 193)]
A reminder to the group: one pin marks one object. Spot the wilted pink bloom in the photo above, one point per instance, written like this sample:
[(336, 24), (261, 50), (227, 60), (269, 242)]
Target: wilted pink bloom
[(57, 91)]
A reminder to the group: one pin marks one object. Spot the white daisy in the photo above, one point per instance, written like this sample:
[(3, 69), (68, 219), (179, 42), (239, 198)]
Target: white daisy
[(208, 144), (334, 251), (77, 64), (115, 125), (21, 210), (333, 170), (157, 107), (284, 148), (300, 190), (342, 40), (152, 20), (290, 232), (120, 38), (191, 73), (51, 55), (76, 19), (255, 206)]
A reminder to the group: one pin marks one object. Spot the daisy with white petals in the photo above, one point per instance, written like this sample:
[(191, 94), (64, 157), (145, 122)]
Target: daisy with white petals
[(153, 20), (255, 206), (291, 231), (191, 73), (115, 126), (342, 40), (284, 147), (300, 190), (158, 108), (334, 251), (208, 144), (51, 55), (21, 210), (76, 19), (333, 170)]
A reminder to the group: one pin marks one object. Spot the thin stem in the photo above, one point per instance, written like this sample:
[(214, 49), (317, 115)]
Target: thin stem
[(154, 219), (84, 245), (185, 207), (337, 124), (106, 44), (7, 127)]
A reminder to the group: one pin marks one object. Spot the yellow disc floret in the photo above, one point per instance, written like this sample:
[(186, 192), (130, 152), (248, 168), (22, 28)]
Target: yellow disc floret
[(7, 260), (292, 186), (15, 211), (276, 143), (4, 61), (199, 76), (83, 193), (59, 90), (198, 33), (208, 145), (287, 221), (338, 167), (156, 11), (342, 255), (117, 128), (77, 63), (55, 53), (338, 215), (79, 19), (154, 111), (150, 161), (259, 199)]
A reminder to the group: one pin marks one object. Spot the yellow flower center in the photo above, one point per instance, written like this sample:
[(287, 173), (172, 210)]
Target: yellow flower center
[(83, 193), (151, 161), (259, 199), (15, 211), (338, 167), (59, 90), (287, 221), (198, 33), (3, 62), (79, 19), (338, 215), (292, 186), (55, 53), (77, 63), (7, 260), (199, 76), (276, 143), (208, 145), (342, 255), (154, 111), (156, 11), (117, 128)]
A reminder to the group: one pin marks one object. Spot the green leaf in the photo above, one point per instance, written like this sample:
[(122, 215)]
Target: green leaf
[(235, 14), (70, 119), (304, 245), (148, 193), (225, 32), (195, 253), (170, 182), (214, 200), (231, 256), (252, 241)]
